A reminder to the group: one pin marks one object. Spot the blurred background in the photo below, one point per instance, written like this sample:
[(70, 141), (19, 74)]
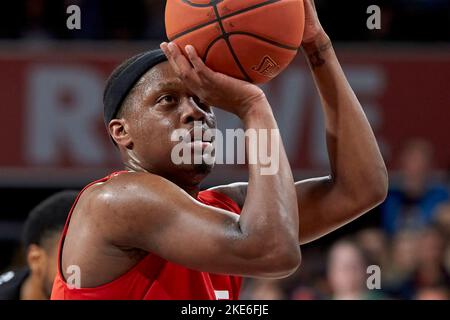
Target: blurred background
[(53, 137)]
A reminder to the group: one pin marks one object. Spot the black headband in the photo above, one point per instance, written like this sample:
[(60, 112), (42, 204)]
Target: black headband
[(125, 81)]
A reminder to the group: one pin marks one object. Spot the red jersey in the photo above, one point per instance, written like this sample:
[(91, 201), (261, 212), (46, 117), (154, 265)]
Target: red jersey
[(154, 278)]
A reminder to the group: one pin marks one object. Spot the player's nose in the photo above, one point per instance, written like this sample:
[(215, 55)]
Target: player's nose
[(191, 111)]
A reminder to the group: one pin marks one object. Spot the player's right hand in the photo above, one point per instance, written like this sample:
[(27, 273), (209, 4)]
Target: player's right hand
[(213, 88)]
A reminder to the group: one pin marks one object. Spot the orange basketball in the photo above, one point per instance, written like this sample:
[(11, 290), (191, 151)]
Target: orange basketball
[(252, 40)]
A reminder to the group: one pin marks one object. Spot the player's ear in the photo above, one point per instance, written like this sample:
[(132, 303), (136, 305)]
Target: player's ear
[(36, 259), (118, 129)]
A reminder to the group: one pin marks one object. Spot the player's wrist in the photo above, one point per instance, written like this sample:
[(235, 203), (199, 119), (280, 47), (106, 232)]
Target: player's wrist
[(252, 106), (320, 41), (318, 51), (259, 116)]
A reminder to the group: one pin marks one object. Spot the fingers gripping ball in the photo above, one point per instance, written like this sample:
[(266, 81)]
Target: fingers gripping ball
[(252, 40)]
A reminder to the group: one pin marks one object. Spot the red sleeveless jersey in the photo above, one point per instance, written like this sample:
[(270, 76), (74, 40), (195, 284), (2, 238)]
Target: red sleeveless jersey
[(154, 278)]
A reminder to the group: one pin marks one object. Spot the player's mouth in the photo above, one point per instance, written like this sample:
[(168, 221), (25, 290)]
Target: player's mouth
[(199, 145), (199, 142)]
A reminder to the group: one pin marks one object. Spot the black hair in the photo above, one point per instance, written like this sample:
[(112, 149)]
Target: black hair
[(47, 218)]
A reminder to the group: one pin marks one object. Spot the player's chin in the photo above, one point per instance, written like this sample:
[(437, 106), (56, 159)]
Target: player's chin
[(203, 168), (194, 174), (199, 162)]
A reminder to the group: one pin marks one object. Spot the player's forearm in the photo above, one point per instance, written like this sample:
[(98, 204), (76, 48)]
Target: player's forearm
[(356, 162), (270, 209)]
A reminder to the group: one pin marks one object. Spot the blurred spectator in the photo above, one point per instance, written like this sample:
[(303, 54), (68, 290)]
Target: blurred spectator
[(430, 270), (433, 293), (442, 220), (403, 261), (309, 282), (306, 293), (41, 236), (411, 203), (375, 246), (347, 273), (263, 289)]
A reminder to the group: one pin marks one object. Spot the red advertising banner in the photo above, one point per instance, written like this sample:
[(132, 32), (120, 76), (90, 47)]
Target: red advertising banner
[(51, 102)]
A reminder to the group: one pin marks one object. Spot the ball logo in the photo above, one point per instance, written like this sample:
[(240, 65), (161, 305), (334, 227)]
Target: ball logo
[(268, 67)]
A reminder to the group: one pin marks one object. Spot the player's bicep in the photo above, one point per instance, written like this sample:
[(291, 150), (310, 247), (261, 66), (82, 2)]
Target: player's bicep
[(159, 217)]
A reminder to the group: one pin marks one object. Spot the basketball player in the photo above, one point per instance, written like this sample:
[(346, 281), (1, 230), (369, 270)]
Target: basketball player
[(149, 233), (41, 234)]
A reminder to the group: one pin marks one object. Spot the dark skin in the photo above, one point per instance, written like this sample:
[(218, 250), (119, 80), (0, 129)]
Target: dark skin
[(41, 260), (358, 181), (153, 208)]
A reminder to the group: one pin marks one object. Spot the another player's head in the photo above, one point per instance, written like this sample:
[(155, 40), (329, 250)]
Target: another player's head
[(145, 102), (41, 234)]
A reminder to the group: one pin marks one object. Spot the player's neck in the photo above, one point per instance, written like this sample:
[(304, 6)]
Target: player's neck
[(192, 191), (189, 183), (192, 187), (32, 289)]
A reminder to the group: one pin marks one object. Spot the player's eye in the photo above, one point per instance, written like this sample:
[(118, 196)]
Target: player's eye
[(167, 99), (200, 103)]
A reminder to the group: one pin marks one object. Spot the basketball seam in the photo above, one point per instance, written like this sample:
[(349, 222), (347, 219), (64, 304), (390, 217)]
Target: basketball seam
[(274, 43), (230, 47), (230, 15), (202, 5), (211, 44)]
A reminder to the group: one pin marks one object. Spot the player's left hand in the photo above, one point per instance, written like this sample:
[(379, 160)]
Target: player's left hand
[(313, 28)]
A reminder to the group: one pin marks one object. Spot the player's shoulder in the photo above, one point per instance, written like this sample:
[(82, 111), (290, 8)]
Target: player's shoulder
[(120, 189), (113, 200), (119, 184)]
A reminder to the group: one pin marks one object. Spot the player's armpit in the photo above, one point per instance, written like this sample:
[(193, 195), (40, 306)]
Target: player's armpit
[(323, 206), (235, 191), (148, 212)]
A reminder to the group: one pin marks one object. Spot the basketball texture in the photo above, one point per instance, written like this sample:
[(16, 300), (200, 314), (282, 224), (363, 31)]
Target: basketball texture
[(252, 40)]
